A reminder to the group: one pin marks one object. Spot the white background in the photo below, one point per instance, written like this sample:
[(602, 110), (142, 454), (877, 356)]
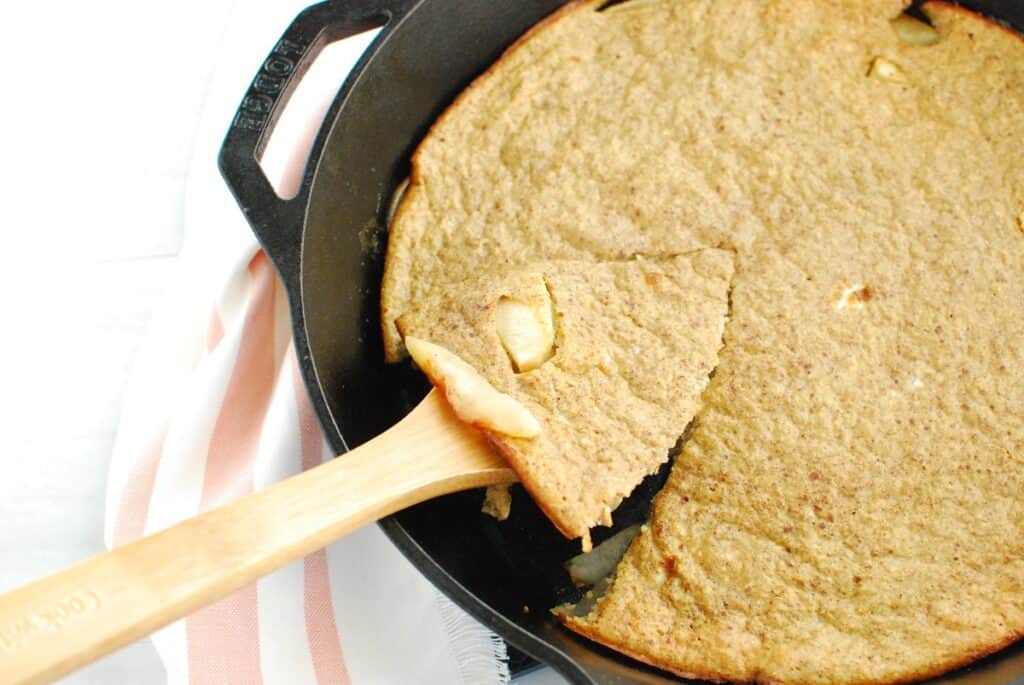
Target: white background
[(100, 111)]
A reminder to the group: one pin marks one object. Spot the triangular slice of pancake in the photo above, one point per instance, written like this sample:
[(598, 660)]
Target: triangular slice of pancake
[(634, 343)]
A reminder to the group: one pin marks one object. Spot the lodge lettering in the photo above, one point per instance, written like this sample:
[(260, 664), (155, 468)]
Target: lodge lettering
[(267, 86)]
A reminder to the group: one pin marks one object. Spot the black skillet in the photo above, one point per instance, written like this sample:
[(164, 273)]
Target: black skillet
[(328, 246)]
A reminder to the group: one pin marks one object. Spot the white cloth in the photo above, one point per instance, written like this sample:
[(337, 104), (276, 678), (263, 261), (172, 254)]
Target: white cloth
[(215, 409)]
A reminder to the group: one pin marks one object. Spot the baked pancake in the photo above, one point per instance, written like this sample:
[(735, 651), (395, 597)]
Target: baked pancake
[(634, 343), (848, 507)]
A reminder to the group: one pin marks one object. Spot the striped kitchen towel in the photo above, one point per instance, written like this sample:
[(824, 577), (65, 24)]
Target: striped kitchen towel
[(215, 409)]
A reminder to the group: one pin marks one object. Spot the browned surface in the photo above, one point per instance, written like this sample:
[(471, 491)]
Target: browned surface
[(848, 508), (635, 342)]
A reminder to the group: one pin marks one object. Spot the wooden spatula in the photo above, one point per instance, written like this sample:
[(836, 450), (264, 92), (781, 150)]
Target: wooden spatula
[(55, 625)]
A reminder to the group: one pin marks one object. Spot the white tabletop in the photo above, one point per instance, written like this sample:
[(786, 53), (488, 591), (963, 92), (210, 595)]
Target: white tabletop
[(101, 107)]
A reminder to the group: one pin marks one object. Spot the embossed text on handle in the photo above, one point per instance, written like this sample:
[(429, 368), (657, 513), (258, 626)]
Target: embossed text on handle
[(47, 619)]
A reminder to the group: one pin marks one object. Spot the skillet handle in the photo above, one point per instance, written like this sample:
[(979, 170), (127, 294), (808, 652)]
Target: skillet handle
[(276, 222)]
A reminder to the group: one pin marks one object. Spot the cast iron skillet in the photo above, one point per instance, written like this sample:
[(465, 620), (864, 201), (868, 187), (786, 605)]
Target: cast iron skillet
[(328, 246)]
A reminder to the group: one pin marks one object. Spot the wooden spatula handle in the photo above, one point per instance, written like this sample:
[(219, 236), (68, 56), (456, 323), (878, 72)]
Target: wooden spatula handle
[(67, 620)]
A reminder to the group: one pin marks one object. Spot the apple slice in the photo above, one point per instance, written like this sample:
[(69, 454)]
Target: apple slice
[(473, 399), (914, 31), (590, 568), (526, 330), (885, 70)]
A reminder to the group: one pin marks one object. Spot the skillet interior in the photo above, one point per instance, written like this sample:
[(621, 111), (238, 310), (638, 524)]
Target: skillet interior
[(494, 570)]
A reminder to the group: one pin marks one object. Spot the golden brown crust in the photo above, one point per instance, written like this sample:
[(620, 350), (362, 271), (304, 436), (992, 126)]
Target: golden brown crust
[(719, 677), (930, 5), (393, 350)]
